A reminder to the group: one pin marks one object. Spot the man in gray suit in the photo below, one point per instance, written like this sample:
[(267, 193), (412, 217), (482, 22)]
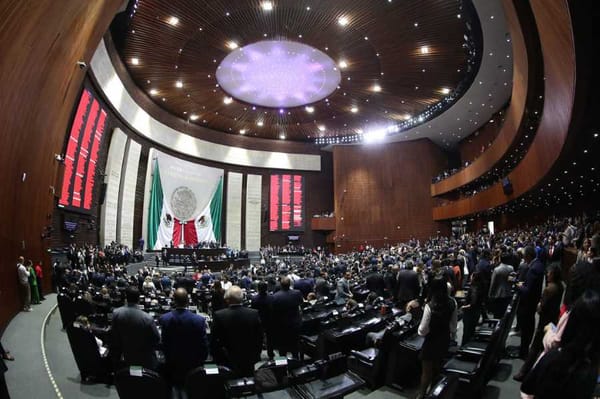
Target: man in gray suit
[(343, 287), (500, 287), (134, 336)]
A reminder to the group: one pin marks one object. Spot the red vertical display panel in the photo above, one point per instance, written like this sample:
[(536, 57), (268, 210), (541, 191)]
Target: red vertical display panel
[(286, 205)]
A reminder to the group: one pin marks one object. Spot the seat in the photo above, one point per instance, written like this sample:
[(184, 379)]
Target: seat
[(207, 382), (92, 366), (312, 346), (240, 387), (369, 364), (274, 374), (137, 382), (66, 309), (403, 367), (444, 388)]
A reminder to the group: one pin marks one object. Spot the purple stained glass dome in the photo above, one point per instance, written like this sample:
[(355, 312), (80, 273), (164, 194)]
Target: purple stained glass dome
[(278, 74)]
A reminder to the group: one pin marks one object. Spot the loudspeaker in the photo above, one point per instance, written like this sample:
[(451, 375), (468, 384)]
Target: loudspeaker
[(102, 193), (507, 186)]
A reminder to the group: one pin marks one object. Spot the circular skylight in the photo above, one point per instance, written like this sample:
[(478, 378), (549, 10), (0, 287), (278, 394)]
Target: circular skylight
[(278, 74)]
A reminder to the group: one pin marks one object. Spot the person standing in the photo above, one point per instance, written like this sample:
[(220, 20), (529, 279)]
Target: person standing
[(530, 292), (286, 314), (500, 288), (134, 336), (39, 274), (263, 302), (237, 335), (472, 309), (343, 287), (438, 326), (33, 287), (25, 290), (184, 339)]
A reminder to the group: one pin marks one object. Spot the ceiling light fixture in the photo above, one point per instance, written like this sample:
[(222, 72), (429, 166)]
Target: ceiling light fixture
[(227, 100), (173, 21), (135, 61), (194, 117), (153, 92), (242, 131), (354, 109), (232, 45), (322, 128), (343, 64), (445, 90), (376, 88), (424, 49), (343, 21), (260, 123), (309, 109), (179, 84), (266, 5)]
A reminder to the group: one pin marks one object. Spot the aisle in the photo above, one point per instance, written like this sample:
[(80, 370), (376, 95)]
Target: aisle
[(27, 377)]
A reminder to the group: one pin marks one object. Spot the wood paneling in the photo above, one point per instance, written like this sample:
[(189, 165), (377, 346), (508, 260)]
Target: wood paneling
[(324, 224), (471, 147), (382, 192), (40, 43), (515, 112), (553, 22)]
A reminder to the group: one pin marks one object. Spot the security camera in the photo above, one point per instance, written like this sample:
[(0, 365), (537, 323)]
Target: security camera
[(59, 157), (81, 64)]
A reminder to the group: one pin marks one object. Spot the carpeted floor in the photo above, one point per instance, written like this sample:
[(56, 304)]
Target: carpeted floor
[(28, 378)]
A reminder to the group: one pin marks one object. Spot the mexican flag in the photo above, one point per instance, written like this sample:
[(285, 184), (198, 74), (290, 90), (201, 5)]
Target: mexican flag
[(164, 228)]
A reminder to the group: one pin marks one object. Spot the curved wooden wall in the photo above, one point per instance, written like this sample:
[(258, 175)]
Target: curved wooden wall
[(40, 42), (554, 25), (514, 113)]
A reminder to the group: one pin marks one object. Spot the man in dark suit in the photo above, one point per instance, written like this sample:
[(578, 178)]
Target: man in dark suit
[(530, 292), (408, 284), (375, 282), (134, 336), (237, 335), (304, 284), (263, 302), (183, 338), (287, 320)]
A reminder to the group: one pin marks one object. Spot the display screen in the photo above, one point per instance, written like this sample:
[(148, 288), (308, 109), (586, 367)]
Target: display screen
[(81, 155), (286, 206)]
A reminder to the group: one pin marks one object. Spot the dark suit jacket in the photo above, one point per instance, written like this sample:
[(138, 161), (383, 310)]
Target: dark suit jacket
[(184, 341), (304, 285), (531, 290), (134, 336), (286, 310), (263, 304), (408, 285), (236, 338), (375, 283)]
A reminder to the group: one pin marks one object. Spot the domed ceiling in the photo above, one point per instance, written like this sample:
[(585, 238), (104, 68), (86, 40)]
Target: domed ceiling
[(301, 69)]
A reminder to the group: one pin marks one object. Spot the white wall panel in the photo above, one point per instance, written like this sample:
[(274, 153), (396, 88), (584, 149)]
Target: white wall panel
[(233, 224), (110, 208), (127, 203), (253, 211)]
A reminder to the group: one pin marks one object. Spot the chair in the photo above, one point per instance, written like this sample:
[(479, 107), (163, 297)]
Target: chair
[(403, 366), (138, 382), (92, 366), (274, 374), (444, 388), (200, 384), (240, 387), (369, 364), (66, 309)]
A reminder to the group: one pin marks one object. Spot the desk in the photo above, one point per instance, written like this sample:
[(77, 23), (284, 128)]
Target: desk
[(198, 251)]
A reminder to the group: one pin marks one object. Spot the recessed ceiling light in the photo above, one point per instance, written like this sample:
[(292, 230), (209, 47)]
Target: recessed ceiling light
[(343, 21), (376, 88), (179, 84), (242, 131), (227, 100), (194, 117), (424, 49), (135, 61), (173, 21), (322, 128), (343, 64), (267, 5), (309, 109), (445, 90), (407, 117), (259, 123), (232, 45), (354, 109), (282, 136), (153, 92)]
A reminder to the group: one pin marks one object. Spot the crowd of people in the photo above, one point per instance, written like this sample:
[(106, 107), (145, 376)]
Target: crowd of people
[(241, 312)]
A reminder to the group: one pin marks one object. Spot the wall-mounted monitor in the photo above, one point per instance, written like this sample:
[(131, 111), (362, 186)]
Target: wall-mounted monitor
[(286, 203), (81, 155)]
